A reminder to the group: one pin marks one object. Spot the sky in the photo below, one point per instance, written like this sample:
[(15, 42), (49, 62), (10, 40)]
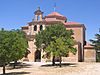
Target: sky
[(17, 13)]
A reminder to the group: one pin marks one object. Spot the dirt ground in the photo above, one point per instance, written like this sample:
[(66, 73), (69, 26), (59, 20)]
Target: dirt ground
[(32, 68)]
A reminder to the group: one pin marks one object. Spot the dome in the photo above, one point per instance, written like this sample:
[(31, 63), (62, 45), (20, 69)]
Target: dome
[(56, 15)]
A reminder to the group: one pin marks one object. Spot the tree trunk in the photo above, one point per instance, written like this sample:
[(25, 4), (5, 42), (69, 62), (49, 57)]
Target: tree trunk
[(3, 68), (60, 62), (15, 62), (53, 61)]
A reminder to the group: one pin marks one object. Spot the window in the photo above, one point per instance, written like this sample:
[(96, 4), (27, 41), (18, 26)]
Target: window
[(65, 21), (35, 28), (41, 27), (38, 18)]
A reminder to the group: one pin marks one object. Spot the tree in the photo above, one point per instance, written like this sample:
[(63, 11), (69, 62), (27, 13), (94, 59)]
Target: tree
[(19, 45), (60, 48), (51, 36), (12, 46), (5, 51), (96, 44)]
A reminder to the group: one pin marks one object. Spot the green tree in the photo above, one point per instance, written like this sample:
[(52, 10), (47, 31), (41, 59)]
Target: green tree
[(60, 48), (12, 46), (96, 44), (51, 35), (19, 45), (5, 51)]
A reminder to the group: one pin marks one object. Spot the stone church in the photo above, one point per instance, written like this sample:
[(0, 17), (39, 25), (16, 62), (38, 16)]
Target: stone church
[(85, 52)]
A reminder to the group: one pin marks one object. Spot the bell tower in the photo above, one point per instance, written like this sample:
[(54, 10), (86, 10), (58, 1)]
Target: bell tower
[(38, 15)]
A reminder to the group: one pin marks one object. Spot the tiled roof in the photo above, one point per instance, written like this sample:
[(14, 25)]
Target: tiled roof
[(71, 23), (88, 45), (55, 14), (25, 27), (44, 22), (74, 24)]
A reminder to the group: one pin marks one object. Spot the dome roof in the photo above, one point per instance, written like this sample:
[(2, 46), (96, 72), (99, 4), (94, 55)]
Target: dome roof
[(56, 15)]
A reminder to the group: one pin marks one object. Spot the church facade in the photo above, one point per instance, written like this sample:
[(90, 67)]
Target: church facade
[(85, 52)]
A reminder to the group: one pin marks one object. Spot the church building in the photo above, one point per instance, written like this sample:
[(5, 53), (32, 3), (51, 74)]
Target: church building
[(85, 52)]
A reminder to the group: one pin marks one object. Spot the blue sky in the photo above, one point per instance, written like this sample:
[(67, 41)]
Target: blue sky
[(17, 13)]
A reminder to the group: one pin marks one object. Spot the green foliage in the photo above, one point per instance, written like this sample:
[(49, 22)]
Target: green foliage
[(13, 46), (96, 44), (57, 47), (19, 44), (5, 50), (98, 56), (56, 39)]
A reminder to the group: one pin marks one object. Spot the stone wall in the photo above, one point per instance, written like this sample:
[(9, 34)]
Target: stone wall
[(89, 55)]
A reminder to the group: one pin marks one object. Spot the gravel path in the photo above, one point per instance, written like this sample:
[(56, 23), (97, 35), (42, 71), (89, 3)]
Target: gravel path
[(67, 69)]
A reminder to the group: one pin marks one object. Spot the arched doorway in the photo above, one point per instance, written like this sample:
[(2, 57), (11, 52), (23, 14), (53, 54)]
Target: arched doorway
[(37, 56)]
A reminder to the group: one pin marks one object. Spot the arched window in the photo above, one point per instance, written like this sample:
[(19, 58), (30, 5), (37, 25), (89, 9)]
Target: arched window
[(35, 28), (38, 18), (41, 27)]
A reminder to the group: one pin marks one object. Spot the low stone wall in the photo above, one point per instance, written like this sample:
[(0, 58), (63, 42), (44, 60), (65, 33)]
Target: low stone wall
[(89, 55)]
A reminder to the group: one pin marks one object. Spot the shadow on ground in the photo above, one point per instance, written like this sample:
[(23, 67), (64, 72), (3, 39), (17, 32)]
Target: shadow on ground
[(16, 73), (63, 65), (18, 65)]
